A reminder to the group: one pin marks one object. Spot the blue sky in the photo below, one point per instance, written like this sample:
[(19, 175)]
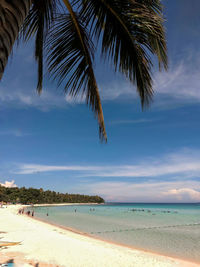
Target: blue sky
[(52, 141)]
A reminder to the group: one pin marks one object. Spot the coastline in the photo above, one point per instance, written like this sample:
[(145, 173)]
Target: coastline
[(52, 245), (76, 231), (62, 204)]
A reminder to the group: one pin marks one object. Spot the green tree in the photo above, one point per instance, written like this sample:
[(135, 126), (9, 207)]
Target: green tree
[(32, 196), (66, 33)]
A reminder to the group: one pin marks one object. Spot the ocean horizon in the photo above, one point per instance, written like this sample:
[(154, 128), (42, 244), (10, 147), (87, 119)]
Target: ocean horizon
[(171, 229)]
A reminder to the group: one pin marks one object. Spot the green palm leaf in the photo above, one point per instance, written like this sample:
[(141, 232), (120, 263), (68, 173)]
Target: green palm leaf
[(70, 55), (37, 24), (129, 30), (12, 15), (130, 33)]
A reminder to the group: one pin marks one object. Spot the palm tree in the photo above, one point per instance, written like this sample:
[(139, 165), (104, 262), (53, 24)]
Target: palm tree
[(129, 32)]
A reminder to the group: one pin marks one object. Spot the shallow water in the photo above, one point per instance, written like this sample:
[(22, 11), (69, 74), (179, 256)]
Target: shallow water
[(170, 229), (8, 265)]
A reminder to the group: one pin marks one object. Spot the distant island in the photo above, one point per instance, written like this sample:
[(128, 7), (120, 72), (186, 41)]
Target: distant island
[(39, 196)]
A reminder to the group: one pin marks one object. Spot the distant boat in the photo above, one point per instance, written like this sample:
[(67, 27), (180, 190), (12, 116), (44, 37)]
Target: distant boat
[(6, 243)]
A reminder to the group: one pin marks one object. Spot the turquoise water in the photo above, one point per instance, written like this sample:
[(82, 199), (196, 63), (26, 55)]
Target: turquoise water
[(170, 229), (8, 265)]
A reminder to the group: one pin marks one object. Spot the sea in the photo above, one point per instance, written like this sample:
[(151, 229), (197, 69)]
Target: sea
[(168, 229)]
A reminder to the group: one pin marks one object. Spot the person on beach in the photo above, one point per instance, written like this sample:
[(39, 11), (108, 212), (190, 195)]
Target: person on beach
[(28, 212), (32, 213)]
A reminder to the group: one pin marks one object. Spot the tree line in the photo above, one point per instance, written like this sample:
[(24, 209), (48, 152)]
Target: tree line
[(39, 196)]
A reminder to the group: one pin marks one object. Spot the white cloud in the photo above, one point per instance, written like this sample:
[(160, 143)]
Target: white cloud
[(79, 99), (181, 82), (23, 98), (36, 168), (18, 86), (9, 184), (183, 193), (185, 163), (113, 90), (146, 192)]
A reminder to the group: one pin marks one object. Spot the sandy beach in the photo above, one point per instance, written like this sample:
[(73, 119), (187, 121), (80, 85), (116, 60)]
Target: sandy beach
[(43, 244)]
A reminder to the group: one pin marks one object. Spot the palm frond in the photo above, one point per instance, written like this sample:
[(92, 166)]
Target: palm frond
[(12, 15), (37, 24), (70, 54), (149, 29), (129, 31)]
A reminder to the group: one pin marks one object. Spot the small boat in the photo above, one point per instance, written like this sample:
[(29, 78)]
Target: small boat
[(6, 243)]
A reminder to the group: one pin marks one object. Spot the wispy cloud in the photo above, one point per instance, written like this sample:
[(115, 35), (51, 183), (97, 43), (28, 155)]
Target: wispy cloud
[(36, 168), (185, 163), (18, 86), (23, 97), (13, 132), (118, 89), (180, 84), (178, 191)]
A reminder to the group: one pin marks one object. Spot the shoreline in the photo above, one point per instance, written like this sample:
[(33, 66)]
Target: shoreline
[(76, 231), (62, 204), (127, 254)]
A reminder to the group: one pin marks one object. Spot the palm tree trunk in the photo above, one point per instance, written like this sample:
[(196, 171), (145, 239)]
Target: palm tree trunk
[(12, 15)]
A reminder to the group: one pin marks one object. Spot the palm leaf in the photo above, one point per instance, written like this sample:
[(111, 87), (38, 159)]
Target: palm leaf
[(148, 28), (38, 23), (12, 15), (70, 55), (129, 31)]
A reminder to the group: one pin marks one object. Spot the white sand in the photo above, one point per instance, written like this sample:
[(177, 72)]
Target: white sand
[(53, 246)]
